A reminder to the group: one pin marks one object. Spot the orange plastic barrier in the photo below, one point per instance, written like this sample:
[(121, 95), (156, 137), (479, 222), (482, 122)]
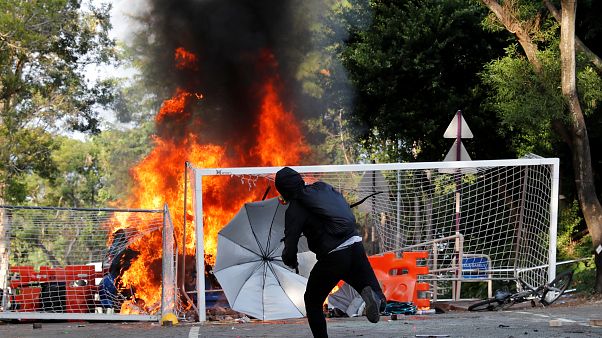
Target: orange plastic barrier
[(398, 277)]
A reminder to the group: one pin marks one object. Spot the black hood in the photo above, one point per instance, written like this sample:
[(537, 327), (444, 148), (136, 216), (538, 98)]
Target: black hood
[(289, 183)]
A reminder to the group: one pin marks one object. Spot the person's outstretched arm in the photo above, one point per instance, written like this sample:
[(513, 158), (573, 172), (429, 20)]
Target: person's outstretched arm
[(292, 232)]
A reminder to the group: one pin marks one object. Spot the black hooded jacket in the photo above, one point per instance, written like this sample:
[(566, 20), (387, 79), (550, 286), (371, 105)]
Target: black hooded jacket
[(311, 207)]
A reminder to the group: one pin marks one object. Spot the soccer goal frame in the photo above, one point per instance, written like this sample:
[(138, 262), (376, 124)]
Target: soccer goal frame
[(523, 193), (54, 261)]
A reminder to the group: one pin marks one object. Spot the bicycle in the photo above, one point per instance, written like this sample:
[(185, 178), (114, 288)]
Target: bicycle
[(546, 294)]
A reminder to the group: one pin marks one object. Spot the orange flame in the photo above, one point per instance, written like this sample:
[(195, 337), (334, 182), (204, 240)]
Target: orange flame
[(185, 59), (175, 106), (159, 178), (276, 133)]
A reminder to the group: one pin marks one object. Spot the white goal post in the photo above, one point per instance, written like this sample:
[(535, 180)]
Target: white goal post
[(495, 219)]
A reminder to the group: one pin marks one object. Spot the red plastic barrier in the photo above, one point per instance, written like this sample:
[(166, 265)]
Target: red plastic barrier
[(26, 294), (79, 297), (22, 276), (27, 299), (79, 286)]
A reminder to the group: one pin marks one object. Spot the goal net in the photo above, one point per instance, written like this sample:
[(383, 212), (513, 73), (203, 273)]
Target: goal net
[(478, 220), (73, 263)]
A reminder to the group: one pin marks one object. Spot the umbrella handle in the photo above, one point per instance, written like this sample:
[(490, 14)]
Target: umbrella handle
[(364, 199)]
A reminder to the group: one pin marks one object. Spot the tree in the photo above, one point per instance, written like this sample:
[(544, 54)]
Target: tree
[(414, 66), (323, 77), (45, 49), (80, 176), (551, 63), (118, 151)]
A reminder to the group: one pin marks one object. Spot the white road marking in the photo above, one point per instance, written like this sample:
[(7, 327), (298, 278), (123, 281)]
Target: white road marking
[(194, 332), (559, 319), (540, 315), (567, 320)]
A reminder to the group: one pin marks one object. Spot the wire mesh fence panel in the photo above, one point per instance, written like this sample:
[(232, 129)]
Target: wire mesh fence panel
[(70, 263)]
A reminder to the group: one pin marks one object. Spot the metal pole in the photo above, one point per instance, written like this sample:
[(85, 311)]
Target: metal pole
[(5, 225), (200, 248), (168, 291), (553, 219), (457, 284), (398, 201), (458, 158), (521, 215), (183, 268)]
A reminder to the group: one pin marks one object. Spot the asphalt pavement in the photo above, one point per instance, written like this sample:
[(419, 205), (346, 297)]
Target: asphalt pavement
[(564, 320)]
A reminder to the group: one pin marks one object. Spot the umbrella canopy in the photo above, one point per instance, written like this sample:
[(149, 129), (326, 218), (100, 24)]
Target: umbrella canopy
[(249, 265), (347, 300)]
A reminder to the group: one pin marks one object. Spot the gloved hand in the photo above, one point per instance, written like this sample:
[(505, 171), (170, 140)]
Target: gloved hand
[(290, 261)]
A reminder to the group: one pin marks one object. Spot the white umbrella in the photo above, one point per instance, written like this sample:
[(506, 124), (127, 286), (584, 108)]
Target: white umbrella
[(249, 265), (347, 300)]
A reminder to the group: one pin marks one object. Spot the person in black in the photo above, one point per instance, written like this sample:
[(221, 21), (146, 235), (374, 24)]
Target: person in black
[(321, 213)]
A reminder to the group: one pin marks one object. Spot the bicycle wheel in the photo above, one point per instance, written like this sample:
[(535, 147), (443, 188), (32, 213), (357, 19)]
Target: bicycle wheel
[(490, 304), (510, 301), (556, 288)]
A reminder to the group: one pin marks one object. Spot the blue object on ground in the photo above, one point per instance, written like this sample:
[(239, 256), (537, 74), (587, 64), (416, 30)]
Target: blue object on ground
[(107, 291), (400, 308)]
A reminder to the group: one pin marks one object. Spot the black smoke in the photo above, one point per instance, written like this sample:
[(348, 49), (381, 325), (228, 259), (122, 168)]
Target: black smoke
[(230, 38)]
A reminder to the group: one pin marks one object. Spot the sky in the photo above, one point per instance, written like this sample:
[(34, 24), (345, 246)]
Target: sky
[(122, 25), (120, 16)]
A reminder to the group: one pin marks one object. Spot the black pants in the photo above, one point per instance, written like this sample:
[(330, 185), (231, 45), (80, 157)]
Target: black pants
[(350, 265)]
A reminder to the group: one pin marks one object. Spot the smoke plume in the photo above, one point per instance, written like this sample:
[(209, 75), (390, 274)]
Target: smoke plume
[(239, 44)]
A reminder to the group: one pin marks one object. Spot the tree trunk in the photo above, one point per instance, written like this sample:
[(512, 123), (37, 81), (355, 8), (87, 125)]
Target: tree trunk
[(506, 15), (576, 132), (582, 163), (4, 247), (593, 58)]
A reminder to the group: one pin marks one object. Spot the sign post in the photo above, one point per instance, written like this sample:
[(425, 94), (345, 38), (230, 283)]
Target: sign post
[(457, 129)]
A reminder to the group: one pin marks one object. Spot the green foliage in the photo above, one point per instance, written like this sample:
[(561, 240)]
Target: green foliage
[(22, 152), (413, 66), (584, 276), (331, 144), (45, 49), (309, 74), (90, 173), (79, 182), (589, 84), (530, 102), (568, 228), (531, 106), (120, 150), (572, 244), (322, 76), (518, 92), (527, 102)]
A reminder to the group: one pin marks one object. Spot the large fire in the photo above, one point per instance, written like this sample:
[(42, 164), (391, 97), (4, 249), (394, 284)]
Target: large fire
[(159, 178)]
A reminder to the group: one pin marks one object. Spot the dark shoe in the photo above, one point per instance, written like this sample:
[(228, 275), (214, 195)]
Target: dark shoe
[(372, 304)]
